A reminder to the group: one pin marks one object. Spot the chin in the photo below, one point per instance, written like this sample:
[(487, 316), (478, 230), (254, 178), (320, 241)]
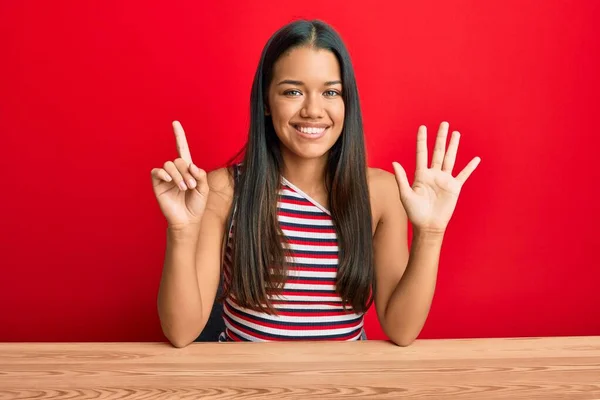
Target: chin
[(308, 155), (304, 154)]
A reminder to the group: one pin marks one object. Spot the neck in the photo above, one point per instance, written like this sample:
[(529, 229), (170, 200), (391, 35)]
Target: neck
[(306, 174)]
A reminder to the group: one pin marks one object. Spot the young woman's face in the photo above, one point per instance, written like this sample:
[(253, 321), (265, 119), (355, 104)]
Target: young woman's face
[(305, 102)]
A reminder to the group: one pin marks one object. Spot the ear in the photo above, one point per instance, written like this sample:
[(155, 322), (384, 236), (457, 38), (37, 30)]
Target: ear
[(267, 111)]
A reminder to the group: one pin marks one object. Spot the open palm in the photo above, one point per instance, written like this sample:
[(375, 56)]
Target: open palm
[(431, 200)]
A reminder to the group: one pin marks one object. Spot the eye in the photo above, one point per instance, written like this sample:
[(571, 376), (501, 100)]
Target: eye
[(292, 92), (332, 93)]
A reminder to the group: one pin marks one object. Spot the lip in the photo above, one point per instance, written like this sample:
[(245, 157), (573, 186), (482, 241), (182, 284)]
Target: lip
[(310, 125), (311, 136)]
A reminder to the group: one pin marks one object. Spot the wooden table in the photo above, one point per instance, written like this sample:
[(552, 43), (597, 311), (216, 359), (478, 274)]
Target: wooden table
[(518, 368)]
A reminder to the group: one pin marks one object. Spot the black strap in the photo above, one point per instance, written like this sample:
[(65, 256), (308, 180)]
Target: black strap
[(236, 172), (236, 178)]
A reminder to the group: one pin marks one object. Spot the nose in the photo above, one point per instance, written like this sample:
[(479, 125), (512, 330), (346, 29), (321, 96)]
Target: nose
[(312, 107)]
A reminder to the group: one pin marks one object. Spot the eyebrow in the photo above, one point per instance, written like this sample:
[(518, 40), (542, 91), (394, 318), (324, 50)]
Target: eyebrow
[(300, 83)]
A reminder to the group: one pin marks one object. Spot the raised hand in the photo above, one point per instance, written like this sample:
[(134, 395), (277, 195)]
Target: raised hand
[(430, 202), (180, 186)]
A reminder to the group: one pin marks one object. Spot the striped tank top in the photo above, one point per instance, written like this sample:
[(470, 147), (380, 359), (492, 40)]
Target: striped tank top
[(308, 308)]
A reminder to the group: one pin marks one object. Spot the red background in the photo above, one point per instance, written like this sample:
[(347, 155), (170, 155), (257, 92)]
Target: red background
[(88, 91)]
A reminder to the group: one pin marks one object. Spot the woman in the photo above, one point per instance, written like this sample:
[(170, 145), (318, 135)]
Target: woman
[(304, 234)]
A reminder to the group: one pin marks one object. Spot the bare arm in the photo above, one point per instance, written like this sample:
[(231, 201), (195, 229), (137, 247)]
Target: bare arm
[(405, 280), (196, 206), (179, 300), (192, 266)]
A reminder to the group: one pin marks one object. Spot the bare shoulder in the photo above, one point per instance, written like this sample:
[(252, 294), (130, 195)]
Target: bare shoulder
[(380, 177), (220, 182), (383, 191)]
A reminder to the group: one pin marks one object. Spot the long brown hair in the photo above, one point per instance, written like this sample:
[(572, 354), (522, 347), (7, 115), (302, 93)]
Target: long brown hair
[(258, 244)]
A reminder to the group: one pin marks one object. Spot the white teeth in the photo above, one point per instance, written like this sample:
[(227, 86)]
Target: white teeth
[(311, 131)]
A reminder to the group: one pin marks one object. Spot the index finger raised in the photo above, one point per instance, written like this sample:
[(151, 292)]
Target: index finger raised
[(182, 146)]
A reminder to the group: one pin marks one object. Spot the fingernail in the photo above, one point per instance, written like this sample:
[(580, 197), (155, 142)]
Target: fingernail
[(182, 185), (192, 183)]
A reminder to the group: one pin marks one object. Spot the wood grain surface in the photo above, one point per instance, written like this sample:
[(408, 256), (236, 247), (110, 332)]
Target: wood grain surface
[(510, 368)]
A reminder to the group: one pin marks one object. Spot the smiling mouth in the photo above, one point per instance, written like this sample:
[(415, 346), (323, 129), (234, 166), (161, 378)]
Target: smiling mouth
[(310, 130)]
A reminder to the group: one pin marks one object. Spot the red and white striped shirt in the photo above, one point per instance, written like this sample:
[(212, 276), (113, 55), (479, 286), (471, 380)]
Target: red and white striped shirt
[(308, 308)]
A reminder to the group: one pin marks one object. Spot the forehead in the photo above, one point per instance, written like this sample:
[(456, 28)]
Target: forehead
[(307, 65)]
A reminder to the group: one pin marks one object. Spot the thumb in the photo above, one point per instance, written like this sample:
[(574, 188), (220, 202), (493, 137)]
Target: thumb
[(402, 179)]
